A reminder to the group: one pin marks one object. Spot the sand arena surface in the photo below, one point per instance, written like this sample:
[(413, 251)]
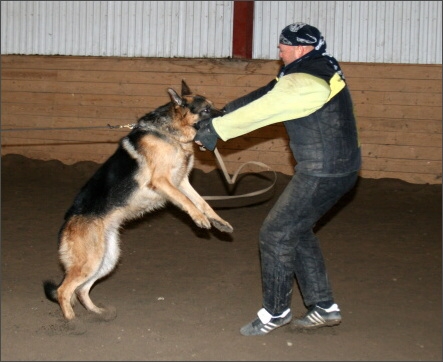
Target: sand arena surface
[(182, 293)]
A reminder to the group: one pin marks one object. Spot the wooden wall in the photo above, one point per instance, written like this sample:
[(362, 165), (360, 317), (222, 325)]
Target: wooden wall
[(398, 106)]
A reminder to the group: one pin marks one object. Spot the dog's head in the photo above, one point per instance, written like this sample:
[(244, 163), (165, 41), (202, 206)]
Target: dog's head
[(192, 108)]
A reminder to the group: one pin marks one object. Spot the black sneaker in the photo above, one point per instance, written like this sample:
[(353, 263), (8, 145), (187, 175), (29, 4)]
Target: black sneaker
[(266, 323), (318, 317)]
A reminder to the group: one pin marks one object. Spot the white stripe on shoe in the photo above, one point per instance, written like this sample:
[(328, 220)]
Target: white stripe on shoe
[(266, 323), (316, 318), (268, 327)]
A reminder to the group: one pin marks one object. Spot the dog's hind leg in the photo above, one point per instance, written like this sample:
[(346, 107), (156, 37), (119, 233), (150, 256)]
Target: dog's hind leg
[(65, 293), (75, 277), (82, 250), (109, 260)]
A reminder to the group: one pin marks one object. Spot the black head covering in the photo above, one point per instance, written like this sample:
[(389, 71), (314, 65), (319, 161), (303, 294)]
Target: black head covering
[(302, 34)]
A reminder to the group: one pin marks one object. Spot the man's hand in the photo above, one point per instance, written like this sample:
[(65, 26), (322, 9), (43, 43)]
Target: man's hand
[(206, 135)]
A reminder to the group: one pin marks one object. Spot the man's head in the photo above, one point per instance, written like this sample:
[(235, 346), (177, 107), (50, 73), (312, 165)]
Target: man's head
[(298, 39), (301, 34)]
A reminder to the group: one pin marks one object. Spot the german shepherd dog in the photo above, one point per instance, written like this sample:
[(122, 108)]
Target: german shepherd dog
[(149, 168)]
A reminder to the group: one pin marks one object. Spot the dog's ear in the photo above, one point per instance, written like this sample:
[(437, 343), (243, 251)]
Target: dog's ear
[(185, 89), (175, 98)]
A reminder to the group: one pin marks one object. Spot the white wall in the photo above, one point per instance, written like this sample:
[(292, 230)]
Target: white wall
[(355, 31), (117, 28), (358, 31)]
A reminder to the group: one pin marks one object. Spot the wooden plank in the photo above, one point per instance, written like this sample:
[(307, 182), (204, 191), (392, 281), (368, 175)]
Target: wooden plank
[(26, 121), (396, 98), (143, 103), (401, 139), (402, 165), (271, 158), (392, 71), (28, 97), (100, 100), (119, 114), (394, 85), (278, 144), (232, 167), (399, 125), (402, 152), (419, 99), (215, 93), (29, 74), (162, 65), (154, 77), (84, 88), (397, 111), (61, 137)]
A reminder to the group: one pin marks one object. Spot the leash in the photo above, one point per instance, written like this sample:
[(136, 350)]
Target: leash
[(233, 179), (132, 125), (230, 180)]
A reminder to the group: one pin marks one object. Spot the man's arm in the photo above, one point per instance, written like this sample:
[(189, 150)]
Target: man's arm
[(294, 96)]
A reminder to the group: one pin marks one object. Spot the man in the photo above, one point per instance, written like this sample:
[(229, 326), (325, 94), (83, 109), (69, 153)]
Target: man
[(311, 97)]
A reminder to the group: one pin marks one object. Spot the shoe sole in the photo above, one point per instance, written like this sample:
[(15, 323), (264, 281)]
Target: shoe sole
[(247, 333), (331, 323)]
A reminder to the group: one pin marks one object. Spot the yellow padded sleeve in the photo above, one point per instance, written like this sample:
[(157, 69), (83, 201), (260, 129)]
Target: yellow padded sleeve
[(294, 96)]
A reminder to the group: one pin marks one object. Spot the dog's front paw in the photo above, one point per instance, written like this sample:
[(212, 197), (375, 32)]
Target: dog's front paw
[(202, 222), (222, 225)]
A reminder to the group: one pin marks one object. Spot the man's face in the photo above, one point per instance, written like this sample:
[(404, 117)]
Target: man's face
[(288, 53)]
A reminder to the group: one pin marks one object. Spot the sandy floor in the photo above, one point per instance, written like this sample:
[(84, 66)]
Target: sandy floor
[(182, 293)]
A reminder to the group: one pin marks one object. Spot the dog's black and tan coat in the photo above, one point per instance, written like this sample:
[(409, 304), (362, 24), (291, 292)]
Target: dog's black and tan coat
[(149, 168)]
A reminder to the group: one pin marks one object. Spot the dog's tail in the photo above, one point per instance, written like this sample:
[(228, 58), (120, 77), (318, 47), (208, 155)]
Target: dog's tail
[(50, 288)]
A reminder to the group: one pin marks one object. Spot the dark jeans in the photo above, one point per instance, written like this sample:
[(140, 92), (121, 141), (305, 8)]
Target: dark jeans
[(288, 245)]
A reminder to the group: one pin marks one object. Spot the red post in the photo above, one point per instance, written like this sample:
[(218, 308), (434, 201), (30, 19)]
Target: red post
[(243, 29)]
